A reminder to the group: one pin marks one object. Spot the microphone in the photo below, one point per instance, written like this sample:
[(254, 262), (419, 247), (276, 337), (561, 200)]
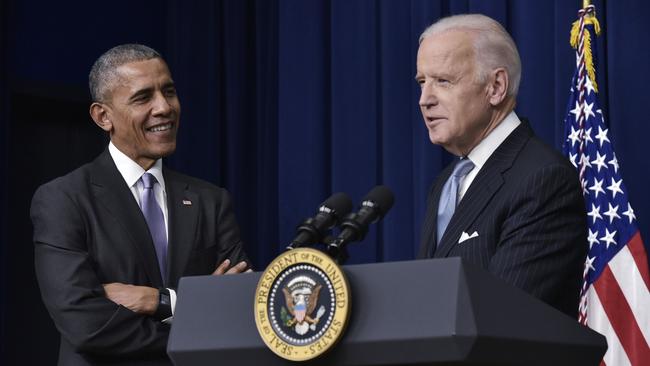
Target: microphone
[(355, 226), (330, 213)]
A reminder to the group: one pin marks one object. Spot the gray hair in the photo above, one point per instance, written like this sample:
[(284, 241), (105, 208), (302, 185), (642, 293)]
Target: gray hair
[(103, 71), (493, 46)]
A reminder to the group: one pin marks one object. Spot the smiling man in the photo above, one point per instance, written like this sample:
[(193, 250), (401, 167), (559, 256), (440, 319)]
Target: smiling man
[(509, 203), (113, 237)]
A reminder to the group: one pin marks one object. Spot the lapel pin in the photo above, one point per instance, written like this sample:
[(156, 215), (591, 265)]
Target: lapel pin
[(187, 202)]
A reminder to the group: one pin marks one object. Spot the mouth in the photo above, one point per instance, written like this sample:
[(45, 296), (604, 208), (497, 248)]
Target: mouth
[(433, 120), (160, 127)]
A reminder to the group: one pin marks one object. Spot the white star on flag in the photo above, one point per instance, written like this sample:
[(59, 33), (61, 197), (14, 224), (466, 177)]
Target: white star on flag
[(602, 136), (612, 213), (614, 163), (615, 187), (590, 263), (589, 110), (599, 161), (587, 136), (574, 136), (595, 213), (576, 110), (629, 213), (597, 187), (592, 238), (609, 238), (573, 158)]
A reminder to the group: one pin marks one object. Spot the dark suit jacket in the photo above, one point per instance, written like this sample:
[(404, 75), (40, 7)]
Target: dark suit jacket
[(89, 230), (527, 208)]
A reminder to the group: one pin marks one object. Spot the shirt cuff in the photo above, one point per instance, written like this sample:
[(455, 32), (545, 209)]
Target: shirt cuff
[(172, 300)]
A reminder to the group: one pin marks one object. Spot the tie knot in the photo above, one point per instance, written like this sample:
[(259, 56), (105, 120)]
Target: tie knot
[(148, 180), (463, 167)]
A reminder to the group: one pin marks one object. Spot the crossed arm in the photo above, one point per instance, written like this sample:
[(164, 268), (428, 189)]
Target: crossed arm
[(144, 300)]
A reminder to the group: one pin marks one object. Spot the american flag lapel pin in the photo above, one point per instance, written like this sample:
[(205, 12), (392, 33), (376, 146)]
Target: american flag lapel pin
[(187, 202)]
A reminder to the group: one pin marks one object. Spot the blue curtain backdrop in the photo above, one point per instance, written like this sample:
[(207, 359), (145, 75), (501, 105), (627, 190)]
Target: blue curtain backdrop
[(299, 99), (285, 102)]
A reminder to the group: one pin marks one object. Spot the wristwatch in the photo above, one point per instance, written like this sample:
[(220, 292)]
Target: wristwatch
[(164, 309)]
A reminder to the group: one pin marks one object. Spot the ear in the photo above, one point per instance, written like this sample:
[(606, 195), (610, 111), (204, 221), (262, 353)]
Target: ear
[(99, 114), (497, 86)]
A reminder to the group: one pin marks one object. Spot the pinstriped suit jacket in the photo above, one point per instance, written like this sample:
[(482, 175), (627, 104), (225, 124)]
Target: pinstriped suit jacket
[(527, 208)]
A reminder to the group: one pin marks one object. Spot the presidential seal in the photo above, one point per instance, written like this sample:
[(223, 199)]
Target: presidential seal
[(302, 304)]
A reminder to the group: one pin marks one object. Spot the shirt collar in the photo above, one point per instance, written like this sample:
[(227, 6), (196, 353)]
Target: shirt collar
[(482, 152), (131, 171)]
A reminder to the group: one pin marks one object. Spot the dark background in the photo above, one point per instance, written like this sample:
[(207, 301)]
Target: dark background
[(284, 102)]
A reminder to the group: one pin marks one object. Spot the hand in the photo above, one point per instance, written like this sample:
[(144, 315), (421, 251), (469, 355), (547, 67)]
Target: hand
[(238, 268), (139, 299)]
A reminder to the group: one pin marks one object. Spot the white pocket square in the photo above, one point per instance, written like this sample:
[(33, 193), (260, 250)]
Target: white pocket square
[(465, 236)]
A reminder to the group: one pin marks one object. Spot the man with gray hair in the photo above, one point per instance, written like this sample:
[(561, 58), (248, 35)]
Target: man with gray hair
[(509, 203), (113, 237)]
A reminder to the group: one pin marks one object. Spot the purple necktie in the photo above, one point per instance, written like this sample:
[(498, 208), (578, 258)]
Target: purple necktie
[(155, 220)]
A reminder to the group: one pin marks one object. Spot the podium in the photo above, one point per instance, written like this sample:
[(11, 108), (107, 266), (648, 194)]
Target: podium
[(426, 312)]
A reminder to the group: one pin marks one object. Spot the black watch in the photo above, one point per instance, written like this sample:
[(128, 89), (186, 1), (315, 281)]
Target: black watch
[(164, 309)]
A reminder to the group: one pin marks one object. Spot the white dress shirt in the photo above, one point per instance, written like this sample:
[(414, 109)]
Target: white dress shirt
[(132, 172), (482, 152)]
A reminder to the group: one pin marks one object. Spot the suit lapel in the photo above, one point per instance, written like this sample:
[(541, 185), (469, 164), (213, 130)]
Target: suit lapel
[(110, 189), (183, 207), (486, 184), (430, 232)]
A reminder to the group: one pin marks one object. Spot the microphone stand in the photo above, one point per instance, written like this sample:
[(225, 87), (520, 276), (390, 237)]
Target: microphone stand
[(336, 250)]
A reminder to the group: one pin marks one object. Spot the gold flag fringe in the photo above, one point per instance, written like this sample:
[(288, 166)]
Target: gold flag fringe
[(589, 60)]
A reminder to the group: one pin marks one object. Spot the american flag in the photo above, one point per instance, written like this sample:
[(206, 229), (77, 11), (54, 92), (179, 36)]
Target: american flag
[(615, 300)]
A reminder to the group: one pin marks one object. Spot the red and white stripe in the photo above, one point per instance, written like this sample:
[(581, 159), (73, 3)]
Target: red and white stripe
[(619, 306)]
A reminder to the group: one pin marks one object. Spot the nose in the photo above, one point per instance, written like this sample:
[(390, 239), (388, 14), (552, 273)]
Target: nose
[(427, 96), (161, 106)]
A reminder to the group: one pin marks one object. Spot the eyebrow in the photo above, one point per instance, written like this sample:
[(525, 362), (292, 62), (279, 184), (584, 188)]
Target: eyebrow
[(148, 91), (141, 92), (443, 75)]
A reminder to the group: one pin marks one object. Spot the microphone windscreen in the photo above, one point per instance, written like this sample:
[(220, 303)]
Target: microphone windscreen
[(383, 197), (340, 203)]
